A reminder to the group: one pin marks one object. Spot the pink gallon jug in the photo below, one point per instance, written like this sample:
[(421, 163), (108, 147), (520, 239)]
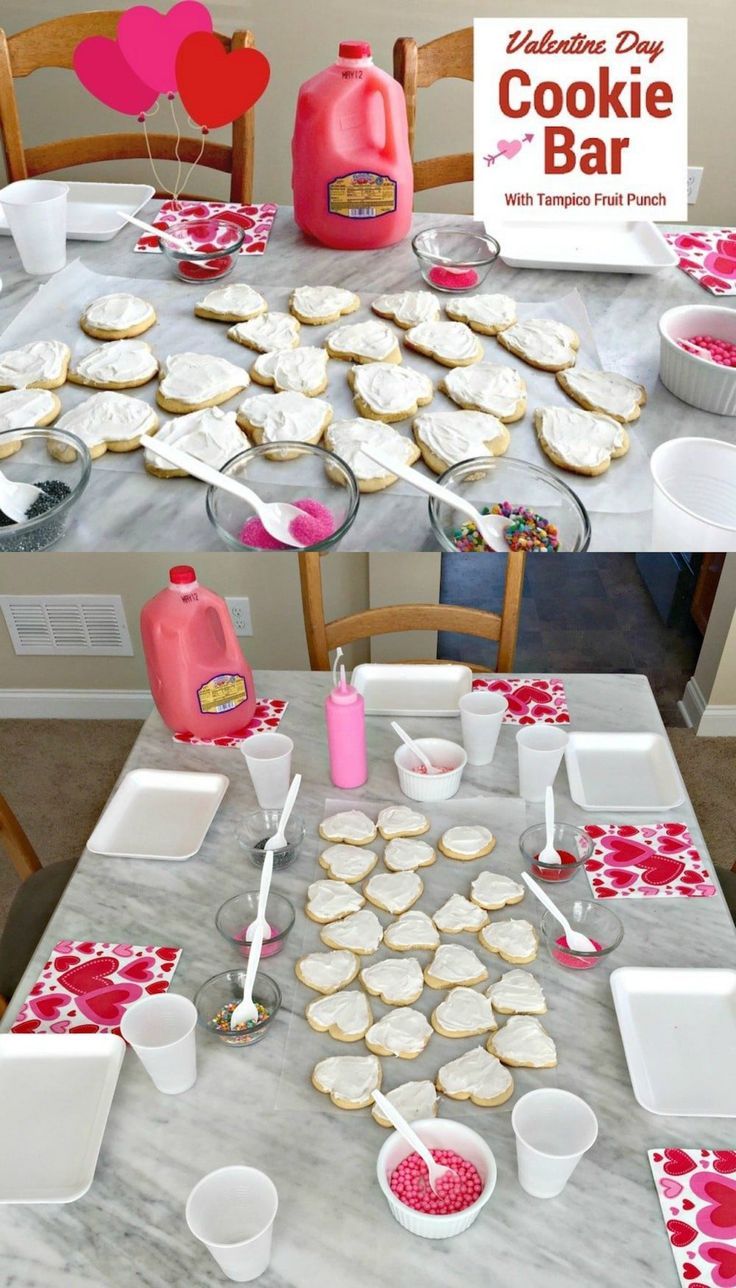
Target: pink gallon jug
[(200, 681), (352, 173)]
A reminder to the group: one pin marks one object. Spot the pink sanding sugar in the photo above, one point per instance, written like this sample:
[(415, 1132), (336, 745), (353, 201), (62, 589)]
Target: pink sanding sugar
[(410, 1183), (453, 279), (569, 959), (317, 525), (441, 769)]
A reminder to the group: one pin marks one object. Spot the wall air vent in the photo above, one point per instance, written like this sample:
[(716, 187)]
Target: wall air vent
[(67, 624)]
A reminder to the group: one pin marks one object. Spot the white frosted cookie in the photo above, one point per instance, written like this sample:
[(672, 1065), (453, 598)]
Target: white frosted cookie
[(452, 965), (348, 862), (285, 417), (405, 854), (393, 891), (492, 890), (267, 332), (302, 370), (458, 914), (478, 1076), (346, 1016), (401, 820), (330, 900), (523, 1043), (105, 422), (447, 437), (452, 344), (117, 317), (408, 308), (605, 392), (403, 1033), (517, 992), (212, 435), (487, 386), (351, 826), (385, 391), (514, 940), (119, 364), (469, 841), (42, 364), (318, 304), (413, 1100), (413, 930), (361, 932), (369, 341), (327, 972), (464, 1013), (583, 442), (346, 438), (397, 981), (190, 381), (22, 408), (542, 343), (487, 314), (236, 302), (349, 1080)]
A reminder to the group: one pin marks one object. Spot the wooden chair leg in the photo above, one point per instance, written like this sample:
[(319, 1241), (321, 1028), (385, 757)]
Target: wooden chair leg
[(511, 612), (313, 608), (14, 840)]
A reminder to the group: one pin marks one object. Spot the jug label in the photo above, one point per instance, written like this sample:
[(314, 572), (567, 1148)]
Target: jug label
[(362, 195), (222, 693)]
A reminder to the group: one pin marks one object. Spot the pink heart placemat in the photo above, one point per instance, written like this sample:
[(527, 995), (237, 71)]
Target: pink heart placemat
[(634, 860), (257, 221), (697, 1194), (530, 701), (268, 715), (86, 987), (708, 257)]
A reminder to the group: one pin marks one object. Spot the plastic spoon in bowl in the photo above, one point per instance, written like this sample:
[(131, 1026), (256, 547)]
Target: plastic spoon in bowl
[(277, 517), (436, 1170), (421, 756), (247, 1011), (575, 940), (277, 842), (549, 853), (491, 526), (163, 233), (16, 499)]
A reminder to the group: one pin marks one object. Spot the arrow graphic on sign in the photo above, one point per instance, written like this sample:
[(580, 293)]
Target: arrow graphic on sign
[(508, 148)]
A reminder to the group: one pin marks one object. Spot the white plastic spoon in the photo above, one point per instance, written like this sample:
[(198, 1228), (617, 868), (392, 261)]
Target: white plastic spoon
[(156, 232), (575, 940), (277, 842), (247, 1011), (549, 853), (16, 499), (421, 756), (436, 1170)]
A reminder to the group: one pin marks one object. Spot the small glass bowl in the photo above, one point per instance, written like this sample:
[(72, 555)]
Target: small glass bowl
[(220, 990), (567, 840), (592, 919), (487, 481), (262, 824), (302, 475), (33, 462), (454, 259), (210, 249), (236, 914)]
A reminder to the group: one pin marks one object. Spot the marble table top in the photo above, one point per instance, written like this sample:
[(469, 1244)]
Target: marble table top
[(126, 509), (333, 1225)]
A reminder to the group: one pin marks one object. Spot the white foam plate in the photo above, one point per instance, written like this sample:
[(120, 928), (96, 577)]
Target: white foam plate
[(412, 689), (158, 814), (630, 246), (678, 1027), (623, 771), (55, 1090), (92, 209)]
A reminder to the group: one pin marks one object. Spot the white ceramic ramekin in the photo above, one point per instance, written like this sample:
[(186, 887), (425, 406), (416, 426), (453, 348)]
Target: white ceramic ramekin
[(431, 787), (437, 1133), (697, 381)]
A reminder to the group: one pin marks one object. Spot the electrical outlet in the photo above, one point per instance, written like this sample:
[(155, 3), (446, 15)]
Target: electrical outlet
[(694, 178), (239, 610)]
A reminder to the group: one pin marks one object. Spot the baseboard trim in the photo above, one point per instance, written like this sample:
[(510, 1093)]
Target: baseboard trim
[(75, 704), (692, 704), (708, 721)]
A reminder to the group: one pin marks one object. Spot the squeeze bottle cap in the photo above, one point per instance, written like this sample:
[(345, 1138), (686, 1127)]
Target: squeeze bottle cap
[(182, 575), (355, 49), (342, 692)]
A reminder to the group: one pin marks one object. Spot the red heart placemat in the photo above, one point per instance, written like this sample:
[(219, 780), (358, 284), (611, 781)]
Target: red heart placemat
[(256, 220), (708, 257), (268, 715), (697, 1194), (530, 701), (658, 860)]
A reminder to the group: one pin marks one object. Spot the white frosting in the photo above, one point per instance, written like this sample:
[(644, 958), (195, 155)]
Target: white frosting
[(236, 300), (404, 854), (197, 377), (517, 991), (372, 340), (465, 1011), (458, 435), (328, 900), (402, 1032), (349, 862), (395, 820), (389, 388), (414, 929), (514, 938), (467, 839), (394, 891), (119, 362), (395, 981), (522, 1040), (542, 340), (108, 418), (608, 391), (361, 932), (41, 360), (408, 308), (349, 1012), (346, 439), (322, 301), (449, 341), (327, 972), (412, 1099), (483, 310), (492, 890), (456, 965), (286, 416), (486, 387), (349, 1077), (458, 913), (477, 1073), (22, 408), (268, 332), (585, 439), (302, 369), (118, 312), (350, 825), (212, 435)]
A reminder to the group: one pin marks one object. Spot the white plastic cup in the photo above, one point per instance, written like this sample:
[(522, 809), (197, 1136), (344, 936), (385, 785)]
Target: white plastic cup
[(160, 1029), (481, 714), (553, 1130), (36, 213), (694, 501), (232, 1211), (268, 757), (540, 748)]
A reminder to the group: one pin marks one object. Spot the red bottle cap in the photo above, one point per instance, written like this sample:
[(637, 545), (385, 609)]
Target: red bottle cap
[(182, 574), (355, 49)]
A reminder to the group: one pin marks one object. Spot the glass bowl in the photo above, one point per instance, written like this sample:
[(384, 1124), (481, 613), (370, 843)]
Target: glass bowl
[(236, 914), (572, 844), (33, 462), (592, 919), (486, 481), (301, 476), (262, 824), (209, 252), (221, 990), (454, 259)]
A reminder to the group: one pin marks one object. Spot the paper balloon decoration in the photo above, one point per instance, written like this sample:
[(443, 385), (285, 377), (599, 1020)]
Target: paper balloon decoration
[(102, 69), (150, 40), (216, 86)]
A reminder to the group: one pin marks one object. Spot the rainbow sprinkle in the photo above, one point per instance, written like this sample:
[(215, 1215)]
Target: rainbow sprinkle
[(526, 530)]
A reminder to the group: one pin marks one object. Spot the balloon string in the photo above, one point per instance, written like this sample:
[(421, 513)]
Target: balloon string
[(196, 160), (177, 182), (162, 186)]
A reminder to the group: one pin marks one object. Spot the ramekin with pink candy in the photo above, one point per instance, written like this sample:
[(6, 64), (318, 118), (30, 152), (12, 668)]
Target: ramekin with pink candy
[(698, 356)]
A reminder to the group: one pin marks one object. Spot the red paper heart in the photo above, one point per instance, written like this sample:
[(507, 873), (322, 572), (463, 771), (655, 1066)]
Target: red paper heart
[(724, 1257), (681, 1233), (678, 1162), (167, 954), (594, 830), (139, 969), (721, 264), (725, 1160), (718, 1218), (625, 850), (688, 1205), (622, 879), (106, 1006), (159, 986), (662, 871), (66, 962), (692, 878), (26, 1026), (90, 975), (714, 283), (216, 86), (85, 1028), (690, 1272), (50, 1006)]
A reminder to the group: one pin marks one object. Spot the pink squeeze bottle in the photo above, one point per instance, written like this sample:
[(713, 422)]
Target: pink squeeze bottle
[(352, 173), (345, 716), (200, 681)]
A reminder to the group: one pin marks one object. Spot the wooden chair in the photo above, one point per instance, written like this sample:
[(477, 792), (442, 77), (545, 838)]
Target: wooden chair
[(417, 67), (322, 636), (52, 44)]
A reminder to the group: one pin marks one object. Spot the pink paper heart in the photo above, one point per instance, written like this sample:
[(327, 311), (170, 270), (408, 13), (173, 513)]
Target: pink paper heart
[(50, 1005), (620, 879), (150, 41), (60, 1026), (670, 1188), (508, 148), (123, 950), (106, 1006), (104, 72)]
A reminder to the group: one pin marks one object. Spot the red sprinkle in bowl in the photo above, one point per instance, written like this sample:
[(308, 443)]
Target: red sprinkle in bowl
[(573, 845), (591, 918), (209, 248)]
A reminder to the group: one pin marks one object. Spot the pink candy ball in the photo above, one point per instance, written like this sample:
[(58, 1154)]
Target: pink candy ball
[(410, 1183), (711, 349)]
